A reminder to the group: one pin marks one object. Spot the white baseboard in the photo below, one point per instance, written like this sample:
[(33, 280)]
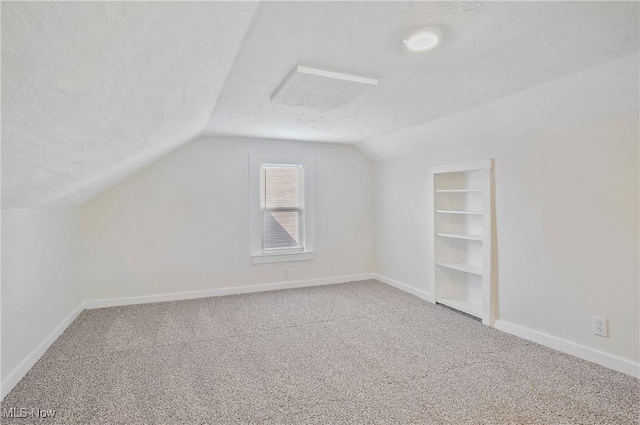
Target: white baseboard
[(599, 357), (607, 360), (403, 287), (602, 358), (176, 296), (21, 370)]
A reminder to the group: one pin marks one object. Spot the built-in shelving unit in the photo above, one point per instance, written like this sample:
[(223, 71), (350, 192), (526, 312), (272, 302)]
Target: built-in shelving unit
[(459, 212), (467, 268), (458, 190), (465, 306), (461, 237)]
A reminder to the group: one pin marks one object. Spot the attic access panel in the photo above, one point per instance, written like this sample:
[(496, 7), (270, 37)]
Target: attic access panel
[(320, 89)]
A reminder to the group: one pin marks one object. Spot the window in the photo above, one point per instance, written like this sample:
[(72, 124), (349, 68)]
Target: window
[(281, 203), (282, 216)]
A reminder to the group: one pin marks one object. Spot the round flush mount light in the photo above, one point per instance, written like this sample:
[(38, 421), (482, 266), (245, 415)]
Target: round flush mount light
[(422, 40)]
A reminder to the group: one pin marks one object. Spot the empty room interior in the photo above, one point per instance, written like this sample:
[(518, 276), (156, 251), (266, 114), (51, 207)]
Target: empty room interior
[(314, 212)]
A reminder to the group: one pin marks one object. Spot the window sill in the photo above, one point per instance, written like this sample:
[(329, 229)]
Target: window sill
[(282, 258)]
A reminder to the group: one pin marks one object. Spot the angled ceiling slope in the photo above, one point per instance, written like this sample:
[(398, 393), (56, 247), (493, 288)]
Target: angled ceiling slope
[(93, 91), (488, 51), (605, 90)]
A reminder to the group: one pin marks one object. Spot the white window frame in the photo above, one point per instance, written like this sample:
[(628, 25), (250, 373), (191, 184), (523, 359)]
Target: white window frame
[(260, 256)]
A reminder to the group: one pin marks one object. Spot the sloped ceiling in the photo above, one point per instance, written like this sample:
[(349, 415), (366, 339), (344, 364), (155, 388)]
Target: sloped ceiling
[(489, 50), (605, 90), (93, 91)]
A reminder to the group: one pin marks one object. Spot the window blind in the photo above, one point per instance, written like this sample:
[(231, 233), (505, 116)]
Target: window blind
[(281, 204)]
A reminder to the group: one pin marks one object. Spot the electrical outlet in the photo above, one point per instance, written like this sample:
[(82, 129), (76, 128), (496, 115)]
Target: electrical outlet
[(600, 326), (286, 273)]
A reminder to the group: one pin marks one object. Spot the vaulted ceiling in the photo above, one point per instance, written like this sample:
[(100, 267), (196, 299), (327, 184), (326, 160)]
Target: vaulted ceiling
[(91, 92), (489, 50)]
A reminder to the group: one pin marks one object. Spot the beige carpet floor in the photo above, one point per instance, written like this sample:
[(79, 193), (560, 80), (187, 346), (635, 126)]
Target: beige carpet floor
[(355, 353)]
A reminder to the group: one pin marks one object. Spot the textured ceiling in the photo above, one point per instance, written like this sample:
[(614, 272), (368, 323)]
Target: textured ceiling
[(489, 50), (93, 91), (605, 90), (319, 89)]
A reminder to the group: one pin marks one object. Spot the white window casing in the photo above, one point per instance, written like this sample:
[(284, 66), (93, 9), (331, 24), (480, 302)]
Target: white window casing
[(282, 208)]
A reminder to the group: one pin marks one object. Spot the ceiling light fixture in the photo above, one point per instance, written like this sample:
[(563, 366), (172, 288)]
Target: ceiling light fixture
[(422, 40)]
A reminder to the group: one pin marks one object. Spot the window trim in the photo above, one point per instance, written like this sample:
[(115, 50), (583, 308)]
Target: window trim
[(308, 209)]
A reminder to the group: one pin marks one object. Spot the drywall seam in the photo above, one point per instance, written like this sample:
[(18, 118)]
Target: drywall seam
[(32, 358)]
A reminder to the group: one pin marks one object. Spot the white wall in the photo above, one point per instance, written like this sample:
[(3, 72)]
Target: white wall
[(182, 224), (567, 228), (39, 286)]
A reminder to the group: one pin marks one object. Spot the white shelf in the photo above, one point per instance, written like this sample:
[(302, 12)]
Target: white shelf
[(461, 236), (459, 212), (467, 268), (462, 305), (460, 208)]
